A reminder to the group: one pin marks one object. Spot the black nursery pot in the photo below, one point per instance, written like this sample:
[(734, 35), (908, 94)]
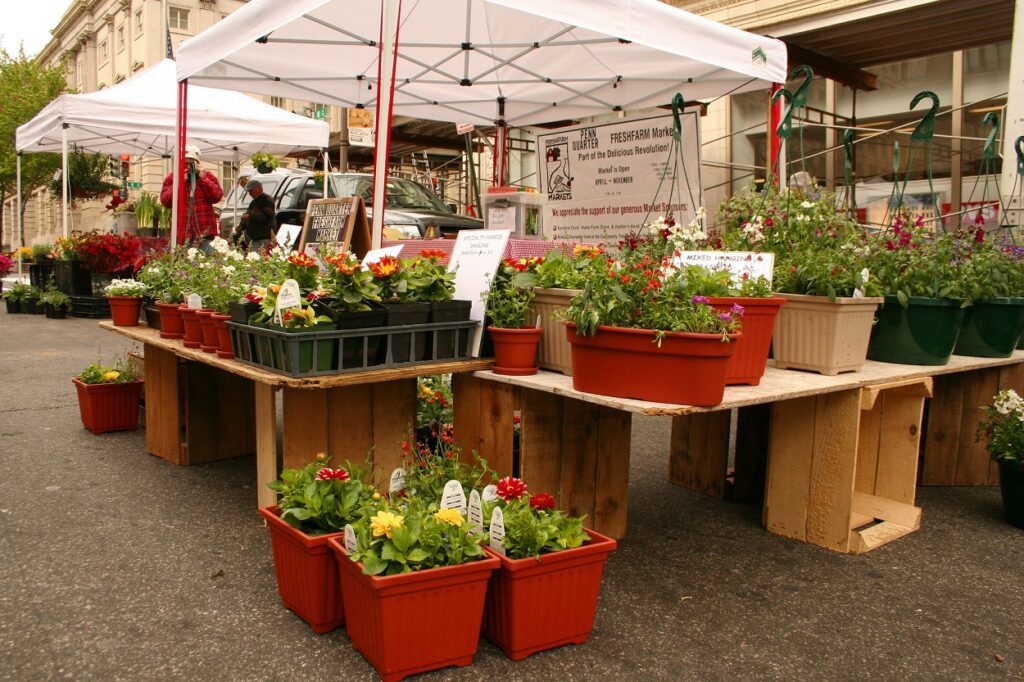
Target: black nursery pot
[(241, 312), (361, 351), (411, 347), (447, 340)]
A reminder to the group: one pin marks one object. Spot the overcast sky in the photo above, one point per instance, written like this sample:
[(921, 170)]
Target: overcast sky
[(30, 24)]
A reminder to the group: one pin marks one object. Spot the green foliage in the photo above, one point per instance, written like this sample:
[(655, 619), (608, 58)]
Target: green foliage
[(18, 292), (164, 274), (351, 288), (121, 373), (559, 270), (530, 532), (434, 281), (1003, 427), (87, 177), (511, 293), (41, 252), (146, 207), (264, 162), (53, 297), (913, 262), (825, 270), (317, 504), (434, 401), (427, 470)]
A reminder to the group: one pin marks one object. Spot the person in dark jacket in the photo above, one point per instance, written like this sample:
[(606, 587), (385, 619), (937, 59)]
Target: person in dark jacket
[(259, 222), (202, 191)]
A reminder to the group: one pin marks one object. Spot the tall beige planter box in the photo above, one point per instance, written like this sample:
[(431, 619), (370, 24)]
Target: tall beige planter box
[(821, 335), (555, 351)]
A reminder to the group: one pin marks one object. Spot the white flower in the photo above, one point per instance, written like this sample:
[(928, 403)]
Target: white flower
[(192, 253), (228, 269), (806, 204), (864, 274), (235, 255), (253, 256), (220, 245)]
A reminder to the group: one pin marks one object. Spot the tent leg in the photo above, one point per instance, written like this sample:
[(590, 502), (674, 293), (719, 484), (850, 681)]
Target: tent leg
[(17, 208), (391, 14), (64, 178)]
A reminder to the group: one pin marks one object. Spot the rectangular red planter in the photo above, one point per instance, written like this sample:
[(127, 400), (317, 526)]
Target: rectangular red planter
[(413, 622), (544, 602), (109, 407), (746, 366), (307, 573)]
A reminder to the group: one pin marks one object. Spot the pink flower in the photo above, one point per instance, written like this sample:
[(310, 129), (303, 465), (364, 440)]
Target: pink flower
[(737, 309), (510, 488), (542, 501), (700, 299), (329, 474)]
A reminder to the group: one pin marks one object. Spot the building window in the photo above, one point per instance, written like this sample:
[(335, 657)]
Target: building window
[(227, 177), (277, 102), (120, 38), (103, 52), (177, 18), (138, 22)]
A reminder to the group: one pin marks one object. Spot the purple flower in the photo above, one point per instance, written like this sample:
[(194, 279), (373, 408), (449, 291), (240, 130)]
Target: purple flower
[(725, 316), (700, 299), (737, 309)]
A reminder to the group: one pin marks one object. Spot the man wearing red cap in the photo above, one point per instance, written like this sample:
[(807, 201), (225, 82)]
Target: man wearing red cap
[(202, 191)]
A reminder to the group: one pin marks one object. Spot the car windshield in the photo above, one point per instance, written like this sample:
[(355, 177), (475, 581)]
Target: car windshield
[(402, 194)]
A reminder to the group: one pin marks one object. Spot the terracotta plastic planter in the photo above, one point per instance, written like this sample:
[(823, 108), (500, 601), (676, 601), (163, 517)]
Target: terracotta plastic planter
[(307, 573), (923, 333), (109, 407), (413, 622), (193, 336), (124, 310), (818, 334), (515, 350), (746, 366), (555, 352), (220, 324), (991, 328), (1011, 484), (210, 343), (171, 326), (544, 602), (687, 369)]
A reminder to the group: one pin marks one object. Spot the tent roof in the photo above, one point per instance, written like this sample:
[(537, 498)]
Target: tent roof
[(137, 117), (550, 60)]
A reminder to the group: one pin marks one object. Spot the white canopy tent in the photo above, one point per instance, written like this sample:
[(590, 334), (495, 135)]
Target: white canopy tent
[(139, 117), (521, 62)]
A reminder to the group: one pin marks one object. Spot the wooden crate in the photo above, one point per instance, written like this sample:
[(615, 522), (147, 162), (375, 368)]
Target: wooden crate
[(842, 466)]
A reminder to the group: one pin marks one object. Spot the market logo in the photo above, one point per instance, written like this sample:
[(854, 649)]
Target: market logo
[(557, 170), (758, 57)]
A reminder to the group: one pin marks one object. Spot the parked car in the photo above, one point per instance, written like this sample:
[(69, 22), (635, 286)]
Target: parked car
[(412, 210)]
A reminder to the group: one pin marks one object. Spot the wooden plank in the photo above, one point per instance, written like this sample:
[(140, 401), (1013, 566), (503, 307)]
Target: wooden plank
[(837, 416), (304, 427), (868, 445), (790, 453), (497, 403), (540, 442), (972, 464), (202, 414), (699, 452), (611, 506), (898, 446), (753, 426), (466, 397), (394, 420), (579, 458), (887, 510), (876, 536), (942, 438), (238, 420), (163, 414), (265, 407), (350, 424), (915, 387)]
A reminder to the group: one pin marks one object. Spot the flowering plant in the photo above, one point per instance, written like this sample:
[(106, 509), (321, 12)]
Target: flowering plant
[(570, 271), (511, 293), (414, 536), (6, 264), (121, 373), (400, 281), (434, 402), (909, 261), (164, 274), (320, 499), (126, 287), (65, 247), (427, 469), (108, 253), (1003, 427), (436, 283), (533, 526), (351, 288)]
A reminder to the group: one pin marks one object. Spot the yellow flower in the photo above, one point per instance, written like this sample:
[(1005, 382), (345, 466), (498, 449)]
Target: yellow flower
[(376, 496), (321, 456), (382, 523), (112, 375), (450, 516)]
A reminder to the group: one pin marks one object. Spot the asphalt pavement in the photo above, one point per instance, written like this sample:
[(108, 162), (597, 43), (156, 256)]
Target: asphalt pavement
[(115, 565)]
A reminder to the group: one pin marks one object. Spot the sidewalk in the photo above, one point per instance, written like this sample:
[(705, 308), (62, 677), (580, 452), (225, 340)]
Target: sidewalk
[(115, 565)]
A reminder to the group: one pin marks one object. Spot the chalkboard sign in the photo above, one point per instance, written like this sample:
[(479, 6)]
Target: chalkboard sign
[(340, 222)]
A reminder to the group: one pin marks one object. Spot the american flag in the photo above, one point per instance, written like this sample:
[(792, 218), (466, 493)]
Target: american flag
[(170, 48)]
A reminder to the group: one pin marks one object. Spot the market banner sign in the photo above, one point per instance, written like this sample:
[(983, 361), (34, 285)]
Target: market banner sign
[(602, 181), (360, 127)]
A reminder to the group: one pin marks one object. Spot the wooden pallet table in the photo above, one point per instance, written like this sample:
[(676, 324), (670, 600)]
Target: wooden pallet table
[(200, 408), (839, 453)]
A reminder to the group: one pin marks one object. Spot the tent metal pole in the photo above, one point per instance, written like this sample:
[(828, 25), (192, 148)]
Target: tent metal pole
[(64, 178), (390, 17), (327, 172), (774, 141), (17, 208), (500, 171), (234, 209)]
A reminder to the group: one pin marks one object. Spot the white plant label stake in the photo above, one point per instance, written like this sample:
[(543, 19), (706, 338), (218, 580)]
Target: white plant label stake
[(490, 493), (350, 539), (397, 481), (288, 297), (476, 512), (498, 531), (454, 497), (194, 302)]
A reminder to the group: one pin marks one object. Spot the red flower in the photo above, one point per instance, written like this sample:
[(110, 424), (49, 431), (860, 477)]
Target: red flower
[(302, 260), (510, 488), (542, 501), (406, 447), (329, 474), (385, 267), (979, 236), (433, 254)]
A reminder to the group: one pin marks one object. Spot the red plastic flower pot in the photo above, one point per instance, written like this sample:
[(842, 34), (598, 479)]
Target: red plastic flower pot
[(544, 602), (746, 366), (220, 323), (686, 369), (210, 343), (124, 310), (307, 573), (109, 407), (193, 337), (515, 350), (171, 326), (413, 622)]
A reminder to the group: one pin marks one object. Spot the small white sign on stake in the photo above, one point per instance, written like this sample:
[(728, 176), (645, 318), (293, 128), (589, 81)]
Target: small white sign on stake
[(289, 296), (454, 497), (376, 255), (476, 512), (740, 264), (194, 302), (497, 541), (490, 493), (475, 259), (287, 235), (397, 483), (350, 539)]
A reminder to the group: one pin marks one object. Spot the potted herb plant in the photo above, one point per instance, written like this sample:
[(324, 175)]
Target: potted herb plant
[(994, 320), (108, 397), (353, 302), (507, 304), (1003, 432), (30, 301), (401, 285), (438, 288), (316, 503), (545, 593), (125, 297), (14, 297), (264, 162), (56, 303)]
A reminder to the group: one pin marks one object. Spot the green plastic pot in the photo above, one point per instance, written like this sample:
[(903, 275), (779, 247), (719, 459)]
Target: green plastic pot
[(1011, 482), (991, 328), (923, 333)]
